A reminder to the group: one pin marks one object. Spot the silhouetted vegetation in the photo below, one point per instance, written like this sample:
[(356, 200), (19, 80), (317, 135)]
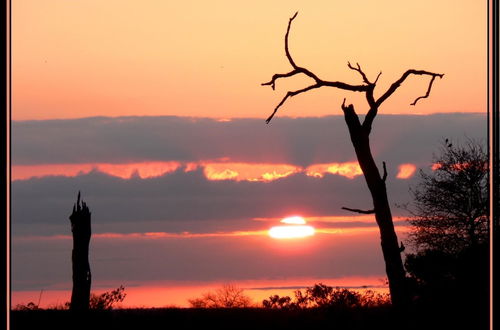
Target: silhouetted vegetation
[(104, 301), (31, 306), (229, 296), (450, 233), (450, 203), (323, 296), (107, 300)]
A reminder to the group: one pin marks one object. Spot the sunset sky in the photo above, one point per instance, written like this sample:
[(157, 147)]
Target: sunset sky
[(155, 112)]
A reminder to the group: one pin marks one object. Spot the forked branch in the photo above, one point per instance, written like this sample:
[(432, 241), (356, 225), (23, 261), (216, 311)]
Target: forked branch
[(358, 69), (428, 89), (405, 75), (367, 86), (297, 69)]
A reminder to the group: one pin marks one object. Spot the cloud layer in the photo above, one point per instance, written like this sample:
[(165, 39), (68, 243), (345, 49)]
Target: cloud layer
[(189, 201), (302, 141)]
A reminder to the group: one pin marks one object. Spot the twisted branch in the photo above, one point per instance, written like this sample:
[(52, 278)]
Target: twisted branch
[(358, 69), (297, 69), (428, 90), (367, 86), (405, 75)]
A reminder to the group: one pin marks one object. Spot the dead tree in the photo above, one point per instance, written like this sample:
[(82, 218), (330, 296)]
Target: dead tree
[(360, 137), (82, 278)]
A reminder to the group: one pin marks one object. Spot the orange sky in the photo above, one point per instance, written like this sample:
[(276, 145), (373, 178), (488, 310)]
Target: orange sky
[(194, 58), (74, 59), (163, 293), (170, 294)]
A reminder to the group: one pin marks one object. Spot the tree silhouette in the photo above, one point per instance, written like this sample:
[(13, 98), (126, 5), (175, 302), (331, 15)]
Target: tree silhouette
[(450, 228), (229, 296), (359, 134), (82, 278), (450, 203)]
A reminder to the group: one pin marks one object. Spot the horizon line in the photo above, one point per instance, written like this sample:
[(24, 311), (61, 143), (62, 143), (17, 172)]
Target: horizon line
[(229, 119)]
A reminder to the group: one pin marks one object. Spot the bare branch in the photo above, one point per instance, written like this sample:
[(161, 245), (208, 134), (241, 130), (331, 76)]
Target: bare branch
[(290, 94), (370, 116), (272, 82), (359, 211), (286, 42), (405, 75), (367, 87), (319, 83), (358, 69), (341, 85), (428, 90), (384, 177)]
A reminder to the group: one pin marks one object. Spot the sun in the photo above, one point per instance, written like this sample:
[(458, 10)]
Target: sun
[(295, 228)]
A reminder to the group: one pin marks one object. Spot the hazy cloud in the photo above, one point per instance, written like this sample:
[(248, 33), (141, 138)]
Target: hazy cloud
[(300, 141), (184, 201)]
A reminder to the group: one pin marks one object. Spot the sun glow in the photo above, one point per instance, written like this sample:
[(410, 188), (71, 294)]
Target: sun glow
[(295, 220), (295, 228), (282, 232)]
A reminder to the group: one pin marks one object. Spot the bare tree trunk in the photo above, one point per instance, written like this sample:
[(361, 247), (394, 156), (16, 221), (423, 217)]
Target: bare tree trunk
[(80, 227), (376, 184), (360, 139)]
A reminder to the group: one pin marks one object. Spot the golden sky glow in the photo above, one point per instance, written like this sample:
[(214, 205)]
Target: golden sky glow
[(76, 59), (406, 171), (349, 170), (211, 170), (248, 172)]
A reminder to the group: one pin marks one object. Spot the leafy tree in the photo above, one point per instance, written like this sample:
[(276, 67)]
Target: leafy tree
[(450, 207), (359, 132), (229, 296)]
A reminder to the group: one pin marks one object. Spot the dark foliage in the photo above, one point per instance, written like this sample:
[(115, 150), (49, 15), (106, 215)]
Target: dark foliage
[(450, 204), (324, 296), (106, 300), (450, 234)]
